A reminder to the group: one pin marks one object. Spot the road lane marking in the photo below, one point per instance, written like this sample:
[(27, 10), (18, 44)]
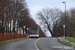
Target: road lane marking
[(36, 45), (65, 47)]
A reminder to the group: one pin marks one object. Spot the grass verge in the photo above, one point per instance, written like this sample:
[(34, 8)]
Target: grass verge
[(71, 39), (11, 40), (66, 43)]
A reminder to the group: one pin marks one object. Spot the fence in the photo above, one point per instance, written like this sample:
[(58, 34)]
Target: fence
[(4, 37)]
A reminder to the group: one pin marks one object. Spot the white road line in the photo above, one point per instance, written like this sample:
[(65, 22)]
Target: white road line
[(36, 45)]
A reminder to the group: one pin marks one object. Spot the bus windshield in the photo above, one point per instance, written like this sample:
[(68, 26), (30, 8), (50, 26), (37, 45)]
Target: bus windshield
[(33, 31)]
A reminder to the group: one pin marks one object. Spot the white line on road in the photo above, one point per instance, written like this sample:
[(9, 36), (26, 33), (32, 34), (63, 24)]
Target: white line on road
[(36, 45)]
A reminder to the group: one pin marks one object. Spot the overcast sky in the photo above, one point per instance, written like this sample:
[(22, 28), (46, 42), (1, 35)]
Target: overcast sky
[(37, 5)]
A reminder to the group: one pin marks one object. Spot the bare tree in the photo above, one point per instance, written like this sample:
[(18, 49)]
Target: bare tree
[(70, 22), (48, 18), (12, 10)]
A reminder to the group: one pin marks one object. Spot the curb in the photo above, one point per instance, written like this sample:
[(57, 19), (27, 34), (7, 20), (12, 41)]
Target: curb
[(65, 44)]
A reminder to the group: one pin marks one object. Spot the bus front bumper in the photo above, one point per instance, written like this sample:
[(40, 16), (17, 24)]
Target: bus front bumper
[(34, 36)]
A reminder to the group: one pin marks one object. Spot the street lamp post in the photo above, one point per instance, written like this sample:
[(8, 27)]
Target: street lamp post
[(65, 20)]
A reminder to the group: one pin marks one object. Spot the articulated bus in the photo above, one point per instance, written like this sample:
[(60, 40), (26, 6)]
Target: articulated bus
[(33, 32)]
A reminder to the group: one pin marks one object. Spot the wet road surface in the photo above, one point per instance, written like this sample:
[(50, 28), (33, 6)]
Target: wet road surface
[(36, 44)]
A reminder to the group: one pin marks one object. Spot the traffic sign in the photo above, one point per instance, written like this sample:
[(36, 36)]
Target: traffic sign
[(24, 27), (64, 25), (27, 28)]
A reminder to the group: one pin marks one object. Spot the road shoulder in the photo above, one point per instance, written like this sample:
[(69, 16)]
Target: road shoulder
[(66, 42), (11, 40)]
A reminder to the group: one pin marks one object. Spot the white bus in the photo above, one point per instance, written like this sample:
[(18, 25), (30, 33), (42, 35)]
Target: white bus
[(34, 32)]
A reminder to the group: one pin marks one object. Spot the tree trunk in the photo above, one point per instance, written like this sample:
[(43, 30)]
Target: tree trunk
[(50, 30), (10, 26)]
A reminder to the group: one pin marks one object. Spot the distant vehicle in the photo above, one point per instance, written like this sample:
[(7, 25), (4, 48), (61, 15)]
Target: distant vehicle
[(34, 32)]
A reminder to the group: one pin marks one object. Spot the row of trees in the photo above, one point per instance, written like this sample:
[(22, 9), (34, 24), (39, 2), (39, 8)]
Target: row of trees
[(14, 13), (11, 12), (53, 20), (70, 22)]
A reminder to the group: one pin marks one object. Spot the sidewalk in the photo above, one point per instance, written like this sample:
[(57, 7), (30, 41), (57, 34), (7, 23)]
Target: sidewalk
[(63, 39)]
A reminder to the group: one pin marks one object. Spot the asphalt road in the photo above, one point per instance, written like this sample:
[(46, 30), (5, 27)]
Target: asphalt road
[(36, 44)]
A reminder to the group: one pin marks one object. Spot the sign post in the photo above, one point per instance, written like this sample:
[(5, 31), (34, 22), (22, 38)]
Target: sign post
[(27, 32), (24, 29), (64, 29)]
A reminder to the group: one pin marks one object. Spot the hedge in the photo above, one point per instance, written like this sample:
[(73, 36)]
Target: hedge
[(4, 37)]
